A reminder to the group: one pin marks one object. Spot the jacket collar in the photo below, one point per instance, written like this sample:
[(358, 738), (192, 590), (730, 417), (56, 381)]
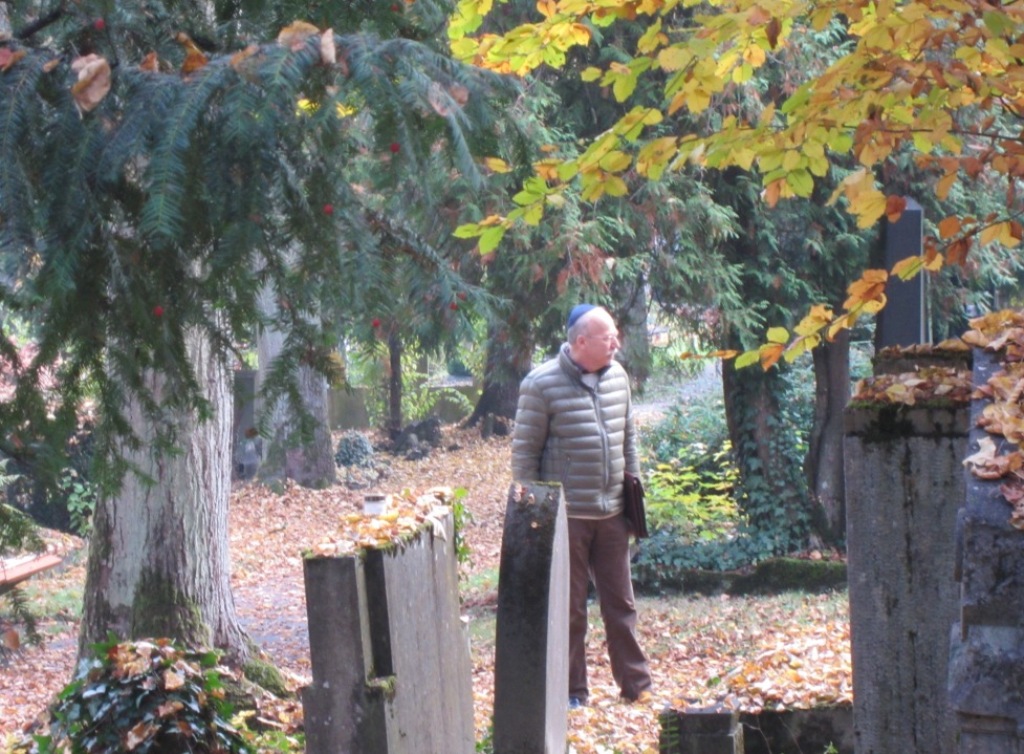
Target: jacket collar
[(574, 369)]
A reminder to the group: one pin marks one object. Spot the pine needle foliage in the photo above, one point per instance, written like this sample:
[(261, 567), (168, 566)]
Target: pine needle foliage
[(187, 191)]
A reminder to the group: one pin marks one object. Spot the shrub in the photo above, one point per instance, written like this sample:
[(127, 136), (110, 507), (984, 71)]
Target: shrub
[(354, 449), (691, 494), (148, 697), (699, 420)]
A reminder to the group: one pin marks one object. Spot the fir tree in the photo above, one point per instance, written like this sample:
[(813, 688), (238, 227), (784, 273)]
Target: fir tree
[(131, 216), (163, 166)]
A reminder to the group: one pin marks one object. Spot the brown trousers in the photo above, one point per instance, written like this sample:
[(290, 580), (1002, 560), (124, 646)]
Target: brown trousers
[(599, 550)]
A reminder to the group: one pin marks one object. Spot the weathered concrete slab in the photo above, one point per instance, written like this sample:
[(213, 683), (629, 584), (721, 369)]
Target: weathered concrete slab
[(391, 667), (906, 481), (531, 669)]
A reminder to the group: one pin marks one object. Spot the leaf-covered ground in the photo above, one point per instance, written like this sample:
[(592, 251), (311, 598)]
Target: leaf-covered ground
[(790, 651)]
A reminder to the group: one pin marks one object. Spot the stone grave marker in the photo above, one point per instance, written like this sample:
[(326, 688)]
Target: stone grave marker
[(904, 488), (986, 677), (390, 655), (531, 668)]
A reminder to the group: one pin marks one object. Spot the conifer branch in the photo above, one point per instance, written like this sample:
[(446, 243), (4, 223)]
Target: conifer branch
[(39, 24)]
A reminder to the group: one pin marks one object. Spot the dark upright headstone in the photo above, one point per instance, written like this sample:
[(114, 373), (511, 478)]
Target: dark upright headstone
[(902, 321), (531, 666)]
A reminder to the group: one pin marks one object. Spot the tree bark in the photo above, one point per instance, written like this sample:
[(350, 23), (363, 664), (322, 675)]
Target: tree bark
[(635, 355), (394, 377), (826, 481), (508, 361), (159, 563)]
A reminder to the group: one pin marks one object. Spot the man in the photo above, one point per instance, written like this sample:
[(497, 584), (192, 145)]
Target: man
[(574, 425)]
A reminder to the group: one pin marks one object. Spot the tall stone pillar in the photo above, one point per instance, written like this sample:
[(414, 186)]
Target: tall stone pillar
[(904, 487)]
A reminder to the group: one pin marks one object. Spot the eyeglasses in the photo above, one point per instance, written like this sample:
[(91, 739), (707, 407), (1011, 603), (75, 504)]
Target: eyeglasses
[(606, 338)]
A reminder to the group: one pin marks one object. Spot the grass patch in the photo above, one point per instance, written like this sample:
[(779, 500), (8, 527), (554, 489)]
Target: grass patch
[(480, 582)]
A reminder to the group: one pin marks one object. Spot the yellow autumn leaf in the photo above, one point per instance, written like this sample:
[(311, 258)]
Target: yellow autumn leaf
[(801, 346), (875, 305), (845, 322), (615, 162), (746, 359), (497, 165), (908, 267), (778, 335), (990, 233), (652, 38), (819, 316), (754, 55), (580, 34), (615, 186), (674, 58)]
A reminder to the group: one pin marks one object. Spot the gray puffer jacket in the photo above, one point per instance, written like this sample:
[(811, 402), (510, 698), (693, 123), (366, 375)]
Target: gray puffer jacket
[(584, 438)]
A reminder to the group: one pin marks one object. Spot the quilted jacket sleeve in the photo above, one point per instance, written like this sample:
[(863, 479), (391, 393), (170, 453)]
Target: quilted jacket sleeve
[(531, 432)]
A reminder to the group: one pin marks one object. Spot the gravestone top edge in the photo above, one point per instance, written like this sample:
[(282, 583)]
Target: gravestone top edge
[(888, 421), (394, 546)]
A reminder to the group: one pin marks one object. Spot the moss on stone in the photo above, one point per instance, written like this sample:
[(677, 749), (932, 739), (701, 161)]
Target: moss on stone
[(159, 608), (383, 687), (266, 676), (769, 577), (787, 574)]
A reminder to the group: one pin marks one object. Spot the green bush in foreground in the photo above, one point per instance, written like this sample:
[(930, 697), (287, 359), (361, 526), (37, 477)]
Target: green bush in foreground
[(148, 697)]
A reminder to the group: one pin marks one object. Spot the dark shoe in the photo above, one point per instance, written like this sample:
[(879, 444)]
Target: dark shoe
[(575, 702)]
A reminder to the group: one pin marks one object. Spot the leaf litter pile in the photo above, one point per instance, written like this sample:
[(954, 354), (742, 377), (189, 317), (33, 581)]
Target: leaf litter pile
[(750, 653)]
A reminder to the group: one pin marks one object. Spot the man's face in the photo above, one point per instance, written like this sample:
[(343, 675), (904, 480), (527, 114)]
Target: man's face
[(596, 349)]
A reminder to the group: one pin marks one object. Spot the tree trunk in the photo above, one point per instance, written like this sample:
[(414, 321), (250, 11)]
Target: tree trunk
[(772, 487), (507, 363), (159, 564), (823, 465), (631, 300), (288, 453), (394, 377)]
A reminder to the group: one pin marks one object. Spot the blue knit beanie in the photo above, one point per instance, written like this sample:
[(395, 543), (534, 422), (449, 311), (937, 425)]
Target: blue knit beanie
[(578, 311)]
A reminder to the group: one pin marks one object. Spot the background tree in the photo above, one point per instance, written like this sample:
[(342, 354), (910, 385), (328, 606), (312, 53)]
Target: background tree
[(903, 78)]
